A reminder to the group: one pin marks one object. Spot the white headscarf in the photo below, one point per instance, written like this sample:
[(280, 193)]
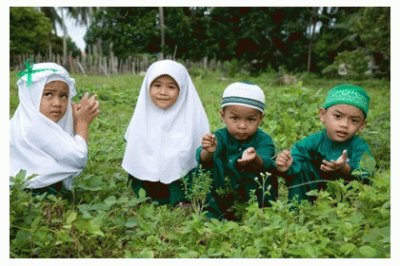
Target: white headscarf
[(39, 145), (161, 144)]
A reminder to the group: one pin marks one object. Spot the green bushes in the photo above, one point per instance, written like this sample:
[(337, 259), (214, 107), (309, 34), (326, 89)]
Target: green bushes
[(103, 218)]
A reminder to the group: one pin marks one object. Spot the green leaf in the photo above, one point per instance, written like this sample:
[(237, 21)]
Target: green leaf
[(110, 201), (146, 254), (347, 248), (71, 217), (132, 222), (368, 251), (142, 193)]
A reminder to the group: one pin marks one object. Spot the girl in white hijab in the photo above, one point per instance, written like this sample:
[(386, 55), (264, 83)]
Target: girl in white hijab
[(164, 132), (48, 134)]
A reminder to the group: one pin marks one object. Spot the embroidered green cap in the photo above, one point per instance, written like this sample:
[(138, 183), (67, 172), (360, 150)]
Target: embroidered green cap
[(245, 94), (348, 94)]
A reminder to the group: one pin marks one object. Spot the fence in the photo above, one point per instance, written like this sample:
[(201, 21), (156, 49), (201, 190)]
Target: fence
[(101, 65)]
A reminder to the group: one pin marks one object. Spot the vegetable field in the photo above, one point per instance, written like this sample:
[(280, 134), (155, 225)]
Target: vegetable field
[(102, 218)]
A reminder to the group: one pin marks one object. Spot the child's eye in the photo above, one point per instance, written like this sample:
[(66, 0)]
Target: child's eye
[(337, 115), (47, 94), (355, 121), (64, 95)]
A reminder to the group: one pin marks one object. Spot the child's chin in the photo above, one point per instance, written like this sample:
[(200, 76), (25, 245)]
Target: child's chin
[(241, 138), (340, 139)]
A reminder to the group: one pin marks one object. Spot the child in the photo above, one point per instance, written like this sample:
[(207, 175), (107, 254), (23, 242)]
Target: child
[(164, 132), (333, 152), (238, 153), (48, 135)]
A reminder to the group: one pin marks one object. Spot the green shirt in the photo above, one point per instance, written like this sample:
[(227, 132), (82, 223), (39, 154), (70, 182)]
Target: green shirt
[(305, 173), (232, 185)]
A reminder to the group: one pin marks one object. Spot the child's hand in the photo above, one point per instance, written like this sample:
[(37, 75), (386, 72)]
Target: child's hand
[(209, 143), (283, 161), (333, 165), (248, 156), (84, 113), (87, 109)]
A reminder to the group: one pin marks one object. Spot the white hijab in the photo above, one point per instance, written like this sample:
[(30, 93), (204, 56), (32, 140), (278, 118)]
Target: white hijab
[(161, 144), (39, 145)]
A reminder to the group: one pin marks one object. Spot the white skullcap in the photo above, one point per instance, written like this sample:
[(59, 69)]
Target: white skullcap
[(241, 93)]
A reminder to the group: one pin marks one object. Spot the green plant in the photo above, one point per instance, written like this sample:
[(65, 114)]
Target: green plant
[(197, 188)]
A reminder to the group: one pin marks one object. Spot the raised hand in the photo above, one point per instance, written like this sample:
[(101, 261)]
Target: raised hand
[(87, 109), (283, 161), (248, 156), (84, 112), (209, 143), (339, 164)]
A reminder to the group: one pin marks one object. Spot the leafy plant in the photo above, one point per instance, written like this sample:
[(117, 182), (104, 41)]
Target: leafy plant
[(197, 189), (105, 219)]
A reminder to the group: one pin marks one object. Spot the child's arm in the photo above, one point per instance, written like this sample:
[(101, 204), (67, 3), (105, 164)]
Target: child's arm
[(209, 145), (283, 161), (340, 165), (84, 113)]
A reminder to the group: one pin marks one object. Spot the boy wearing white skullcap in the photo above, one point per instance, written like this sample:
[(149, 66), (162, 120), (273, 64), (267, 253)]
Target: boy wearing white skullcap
[(237, 154), (49, 134)]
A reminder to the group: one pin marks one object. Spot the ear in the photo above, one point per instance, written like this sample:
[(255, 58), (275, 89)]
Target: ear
[(322, 115), (261, 119), (363, 125), (222, 113)]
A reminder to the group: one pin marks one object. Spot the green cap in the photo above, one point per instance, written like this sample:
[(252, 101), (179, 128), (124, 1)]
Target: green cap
[(348, 94)]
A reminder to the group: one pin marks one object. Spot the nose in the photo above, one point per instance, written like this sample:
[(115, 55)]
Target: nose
[(161, 90), (242, 124), (344, 122), (56, 101)]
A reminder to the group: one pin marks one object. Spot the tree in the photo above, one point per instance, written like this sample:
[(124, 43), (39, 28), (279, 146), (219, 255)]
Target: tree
[(353, 33), (29, 31)]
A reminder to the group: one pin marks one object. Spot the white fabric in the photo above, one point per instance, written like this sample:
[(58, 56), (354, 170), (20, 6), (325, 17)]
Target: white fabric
[(39, 145), (161, 144)]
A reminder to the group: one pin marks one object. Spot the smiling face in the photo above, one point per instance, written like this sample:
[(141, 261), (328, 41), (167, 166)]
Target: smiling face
[(54, 100), (241, 121), (164, 91), (342, 121)]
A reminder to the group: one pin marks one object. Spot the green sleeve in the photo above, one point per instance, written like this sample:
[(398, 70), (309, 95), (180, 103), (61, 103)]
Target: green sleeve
[(301, 153), (361, 159), (265, 148)]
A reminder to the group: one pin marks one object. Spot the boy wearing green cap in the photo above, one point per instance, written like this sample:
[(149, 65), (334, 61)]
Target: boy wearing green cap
[(332, 153), (237, 154)]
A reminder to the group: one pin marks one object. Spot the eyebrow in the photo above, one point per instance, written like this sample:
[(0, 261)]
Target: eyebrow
[(50, 89), (352, 116), (237, 114)]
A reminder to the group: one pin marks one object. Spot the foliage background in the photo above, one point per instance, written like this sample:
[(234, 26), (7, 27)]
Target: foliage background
[(259, 39), (103, 218)]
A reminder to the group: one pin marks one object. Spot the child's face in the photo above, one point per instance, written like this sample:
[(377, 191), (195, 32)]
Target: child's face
[(241, 121), (342, 121), (54, 100), (164, 91)]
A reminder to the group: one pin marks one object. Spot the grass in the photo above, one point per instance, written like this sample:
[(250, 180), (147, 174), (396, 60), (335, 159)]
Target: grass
[(107, 220)]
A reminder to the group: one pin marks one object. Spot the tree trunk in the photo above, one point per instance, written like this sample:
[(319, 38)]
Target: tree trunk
[(313, 25), (65, 34), (162, 26)]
